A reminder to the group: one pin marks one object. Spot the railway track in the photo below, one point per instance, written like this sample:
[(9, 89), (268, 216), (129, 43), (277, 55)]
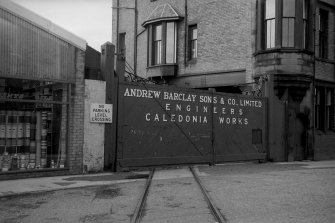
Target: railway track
[(192, 182)]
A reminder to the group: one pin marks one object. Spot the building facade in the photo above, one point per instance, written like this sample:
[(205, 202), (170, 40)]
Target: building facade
[(279, 49), (41, 95)]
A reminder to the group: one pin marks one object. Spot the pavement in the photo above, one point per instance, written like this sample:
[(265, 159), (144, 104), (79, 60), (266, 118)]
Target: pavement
[(43, 184)]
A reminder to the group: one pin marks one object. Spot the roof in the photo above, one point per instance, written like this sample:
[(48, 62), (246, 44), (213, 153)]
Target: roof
[(43, 23), (162, 13)]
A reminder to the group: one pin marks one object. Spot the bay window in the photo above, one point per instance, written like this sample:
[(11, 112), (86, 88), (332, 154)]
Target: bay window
[(283, 24), (162, 40)]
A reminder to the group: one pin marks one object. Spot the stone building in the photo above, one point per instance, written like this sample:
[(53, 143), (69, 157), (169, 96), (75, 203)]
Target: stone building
[(279, 49)]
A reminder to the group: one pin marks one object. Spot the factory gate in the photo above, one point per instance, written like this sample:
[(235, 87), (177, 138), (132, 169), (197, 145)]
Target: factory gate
[(168, 125)]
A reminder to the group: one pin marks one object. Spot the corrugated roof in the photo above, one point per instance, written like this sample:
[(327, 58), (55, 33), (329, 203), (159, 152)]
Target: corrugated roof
[(162, 13), (43, 23)]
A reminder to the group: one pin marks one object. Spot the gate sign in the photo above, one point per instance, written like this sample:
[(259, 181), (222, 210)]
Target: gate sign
[(163, 125), (101, 113)]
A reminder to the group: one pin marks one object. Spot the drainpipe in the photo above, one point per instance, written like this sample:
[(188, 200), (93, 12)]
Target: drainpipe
[(185, 34), (117, 25), (135, 38), (311, 156)]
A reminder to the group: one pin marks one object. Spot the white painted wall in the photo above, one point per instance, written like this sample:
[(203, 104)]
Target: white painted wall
[(94, 133)]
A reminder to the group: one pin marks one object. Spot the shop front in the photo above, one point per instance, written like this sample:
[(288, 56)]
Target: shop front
[(33, 124), (41, 95)]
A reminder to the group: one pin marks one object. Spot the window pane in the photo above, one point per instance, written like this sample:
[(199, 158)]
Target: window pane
[(323, 20), (291, 33), (122, 43), (270, 33), (157, 44), (288, 32), (270, 6), (305, 9), (305, 35), (158, 32), (285, 32), (317, 108), (158, 52), (323, 34), (329, 97), (194, 49), (170, 42), (194, 33), (330, 108), (288, 8)]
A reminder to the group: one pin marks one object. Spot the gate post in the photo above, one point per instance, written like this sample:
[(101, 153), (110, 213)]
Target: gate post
[(212, 90), (107, 72)]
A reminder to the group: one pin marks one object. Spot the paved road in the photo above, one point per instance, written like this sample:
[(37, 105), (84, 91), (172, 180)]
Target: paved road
[(175, 197), (271, 192), (108, 203)]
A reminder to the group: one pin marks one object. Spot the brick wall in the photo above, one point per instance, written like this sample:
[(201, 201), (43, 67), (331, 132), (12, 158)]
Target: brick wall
[(226, 32), (75, 149), (325, 70)]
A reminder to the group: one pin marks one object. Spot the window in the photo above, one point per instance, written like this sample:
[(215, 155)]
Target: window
[(318, 113), (270, 23), (164, 43), (323, 34), (329, 108), (288, 20), (193, 42), (305, 25), (171, 37), (33, 124), (122, 45), (324, 108), (283, 24), (157, 44)]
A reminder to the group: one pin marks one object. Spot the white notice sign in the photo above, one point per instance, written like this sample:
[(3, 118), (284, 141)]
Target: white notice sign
[(101, 113)]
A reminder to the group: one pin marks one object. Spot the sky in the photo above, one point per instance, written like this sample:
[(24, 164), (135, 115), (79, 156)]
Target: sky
[(89, 19)]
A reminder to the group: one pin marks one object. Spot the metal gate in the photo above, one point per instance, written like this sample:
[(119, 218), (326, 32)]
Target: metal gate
[(167, 125)]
